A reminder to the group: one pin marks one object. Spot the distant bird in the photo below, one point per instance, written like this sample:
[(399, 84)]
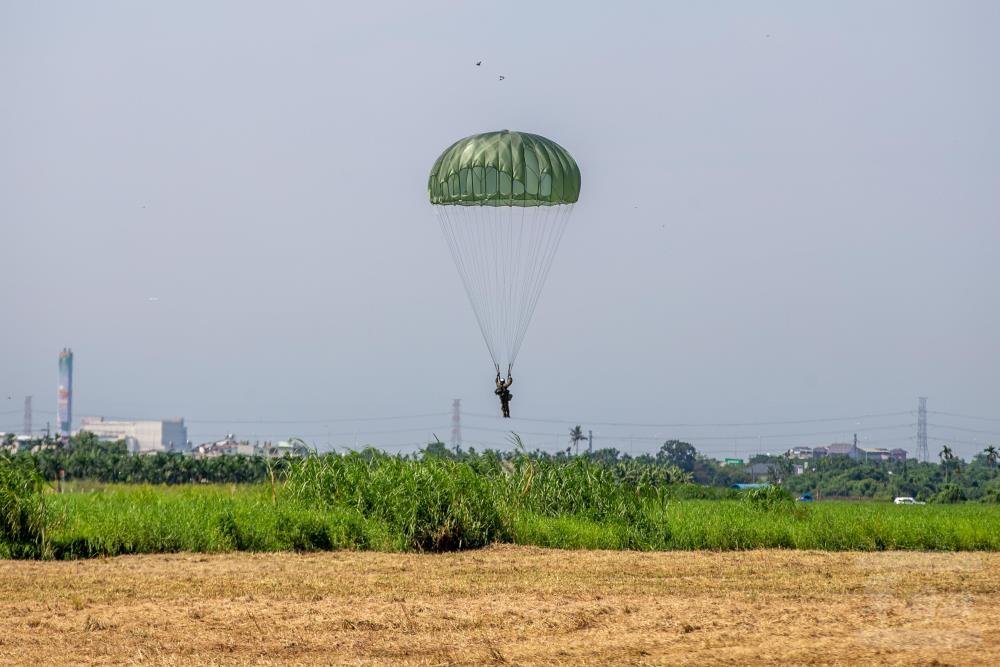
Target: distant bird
[(478, 63), (502, 77), (152, 298)]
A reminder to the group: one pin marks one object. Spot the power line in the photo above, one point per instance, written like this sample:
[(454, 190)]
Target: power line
[(331, 420), (953, 441), (961, 416), (702, 424), (754, 436), (965, 429), (332, 434)]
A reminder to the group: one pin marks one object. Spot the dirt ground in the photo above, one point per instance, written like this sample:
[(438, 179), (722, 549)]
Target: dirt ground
[(505, 605)]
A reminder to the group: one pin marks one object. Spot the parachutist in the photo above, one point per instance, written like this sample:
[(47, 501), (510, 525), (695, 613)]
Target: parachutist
[(503, 391), (502, 227)]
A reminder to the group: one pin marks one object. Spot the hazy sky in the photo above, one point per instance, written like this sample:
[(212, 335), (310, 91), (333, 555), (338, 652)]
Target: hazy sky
[(789, 212)]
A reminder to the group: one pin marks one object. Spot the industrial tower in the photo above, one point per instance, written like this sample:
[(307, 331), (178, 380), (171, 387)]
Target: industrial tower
[(922, 454), (456, 424), (64, 406)]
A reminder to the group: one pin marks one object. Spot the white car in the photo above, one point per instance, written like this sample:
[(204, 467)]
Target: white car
[(907, 500)]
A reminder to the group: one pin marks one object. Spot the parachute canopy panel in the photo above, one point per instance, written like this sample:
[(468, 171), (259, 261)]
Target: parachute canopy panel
[(504, 169)]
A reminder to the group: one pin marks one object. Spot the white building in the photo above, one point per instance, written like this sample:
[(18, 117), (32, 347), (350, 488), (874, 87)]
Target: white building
[(141, 437), (800, 453), (294, 447), (228, 446)]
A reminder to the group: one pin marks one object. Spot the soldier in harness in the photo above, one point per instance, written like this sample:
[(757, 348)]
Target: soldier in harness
[(503, 392)]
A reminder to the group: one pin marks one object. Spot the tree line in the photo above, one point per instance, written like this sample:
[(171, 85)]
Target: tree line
[(85, 457)]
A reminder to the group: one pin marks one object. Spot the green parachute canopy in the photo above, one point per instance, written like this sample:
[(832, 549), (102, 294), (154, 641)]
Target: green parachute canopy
[(504, 169)]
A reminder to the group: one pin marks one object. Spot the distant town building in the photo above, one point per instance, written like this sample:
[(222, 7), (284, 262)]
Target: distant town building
[(800, 453), (843, 449), (292, 447), (875, 454), (12, 443), (230, 446), (859, 453), (141, 437)]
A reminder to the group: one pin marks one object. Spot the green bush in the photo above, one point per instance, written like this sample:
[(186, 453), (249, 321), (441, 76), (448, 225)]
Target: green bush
[(950, 493), (769, 498), (431, 505), (992, 495)]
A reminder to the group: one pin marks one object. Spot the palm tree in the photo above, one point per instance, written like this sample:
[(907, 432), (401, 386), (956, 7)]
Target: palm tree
[(947, 461), (575, 436), (991, 456)]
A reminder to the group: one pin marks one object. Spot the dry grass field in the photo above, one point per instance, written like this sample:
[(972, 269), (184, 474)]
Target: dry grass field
[(505, 605)]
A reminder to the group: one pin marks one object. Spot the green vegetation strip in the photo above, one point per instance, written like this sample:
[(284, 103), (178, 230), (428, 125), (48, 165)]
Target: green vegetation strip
[(395, 504)]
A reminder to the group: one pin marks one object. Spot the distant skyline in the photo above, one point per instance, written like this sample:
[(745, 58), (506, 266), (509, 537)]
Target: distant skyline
[(790, 212)]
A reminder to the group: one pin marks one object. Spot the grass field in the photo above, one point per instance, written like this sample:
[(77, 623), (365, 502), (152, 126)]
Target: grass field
[(392, 504), (128, 519), (505, 605)]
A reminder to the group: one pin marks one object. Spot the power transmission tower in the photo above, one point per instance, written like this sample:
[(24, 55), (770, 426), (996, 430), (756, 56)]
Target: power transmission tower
[(456, 424), (922, 454), (27, 416)]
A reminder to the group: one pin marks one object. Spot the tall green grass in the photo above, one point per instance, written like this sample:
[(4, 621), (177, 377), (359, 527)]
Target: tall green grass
[(387, 503), (24, 517)]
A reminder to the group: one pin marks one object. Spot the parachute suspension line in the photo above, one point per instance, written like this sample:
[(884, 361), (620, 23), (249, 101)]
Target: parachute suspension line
[(503, 255), (561, 215), (530, 266), (451, 230), (514, 291), (503, 200)]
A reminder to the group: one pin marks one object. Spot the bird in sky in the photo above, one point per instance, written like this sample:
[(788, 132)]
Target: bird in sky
[(502, 77), (152, 298), (478, 63)]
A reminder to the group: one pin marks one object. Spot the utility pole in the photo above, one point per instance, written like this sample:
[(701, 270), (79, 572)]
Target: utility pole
[(27, 416), (590, 442), (922, 454), (456, 424)]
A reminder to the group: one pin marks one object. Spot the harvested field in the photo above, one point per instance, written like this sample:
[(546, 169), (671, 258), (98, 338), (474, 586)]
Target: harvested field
[(505, 605)]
